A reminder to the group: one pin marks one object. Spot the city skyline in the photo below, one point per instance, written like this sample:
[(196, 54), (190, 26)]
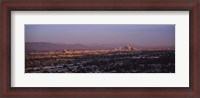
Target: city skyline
[(89, 34), (99, 48)]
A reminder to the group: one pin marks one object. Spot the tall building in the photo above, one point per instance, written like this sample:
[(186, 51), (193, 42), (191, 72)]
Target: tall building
[(128, 47)]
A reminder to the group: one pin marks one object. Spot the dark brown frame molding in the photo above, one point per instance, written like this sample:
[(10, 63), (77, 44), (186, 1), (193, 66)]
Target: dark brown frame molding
[(99, 5)]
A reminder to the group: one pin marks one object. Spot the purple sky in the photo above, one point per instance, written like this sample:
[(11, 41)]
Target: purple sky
[(142, 35)]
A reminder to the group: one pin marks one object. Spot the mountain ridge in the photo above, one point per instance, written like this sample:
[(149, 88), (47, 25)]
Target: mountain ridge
[(48, 46)]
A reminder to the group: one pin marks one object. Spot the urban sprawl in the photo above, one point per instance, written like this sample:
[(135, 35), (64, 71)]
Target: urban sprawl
[(125, 59)]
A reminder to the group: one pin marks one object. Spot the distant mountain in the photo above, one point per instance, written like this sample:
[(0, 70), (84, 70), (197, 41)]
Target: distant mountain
[(47, 46)]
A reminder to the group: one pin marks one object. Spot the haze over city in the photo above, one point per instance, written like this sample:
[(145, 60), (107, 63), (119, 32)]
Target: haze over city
[(103, 34)]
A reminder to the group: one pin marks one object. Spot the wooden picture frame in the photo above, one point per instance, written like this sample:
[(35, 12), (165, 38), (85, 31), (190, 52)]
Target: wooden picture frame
[(100, 5)]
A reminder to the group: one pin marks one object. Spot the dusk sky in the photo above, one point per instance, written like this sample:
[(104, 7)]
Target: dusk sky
[(142, 35)]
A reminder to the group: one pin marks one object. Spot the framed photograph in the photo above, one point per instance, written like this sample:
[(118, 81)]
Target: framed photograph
[(120, 48)]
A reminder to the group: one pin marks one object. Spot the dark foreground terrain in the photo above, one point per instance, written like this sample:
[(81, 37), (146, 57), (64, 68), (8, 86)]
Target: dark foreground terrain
[(101, 61)]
